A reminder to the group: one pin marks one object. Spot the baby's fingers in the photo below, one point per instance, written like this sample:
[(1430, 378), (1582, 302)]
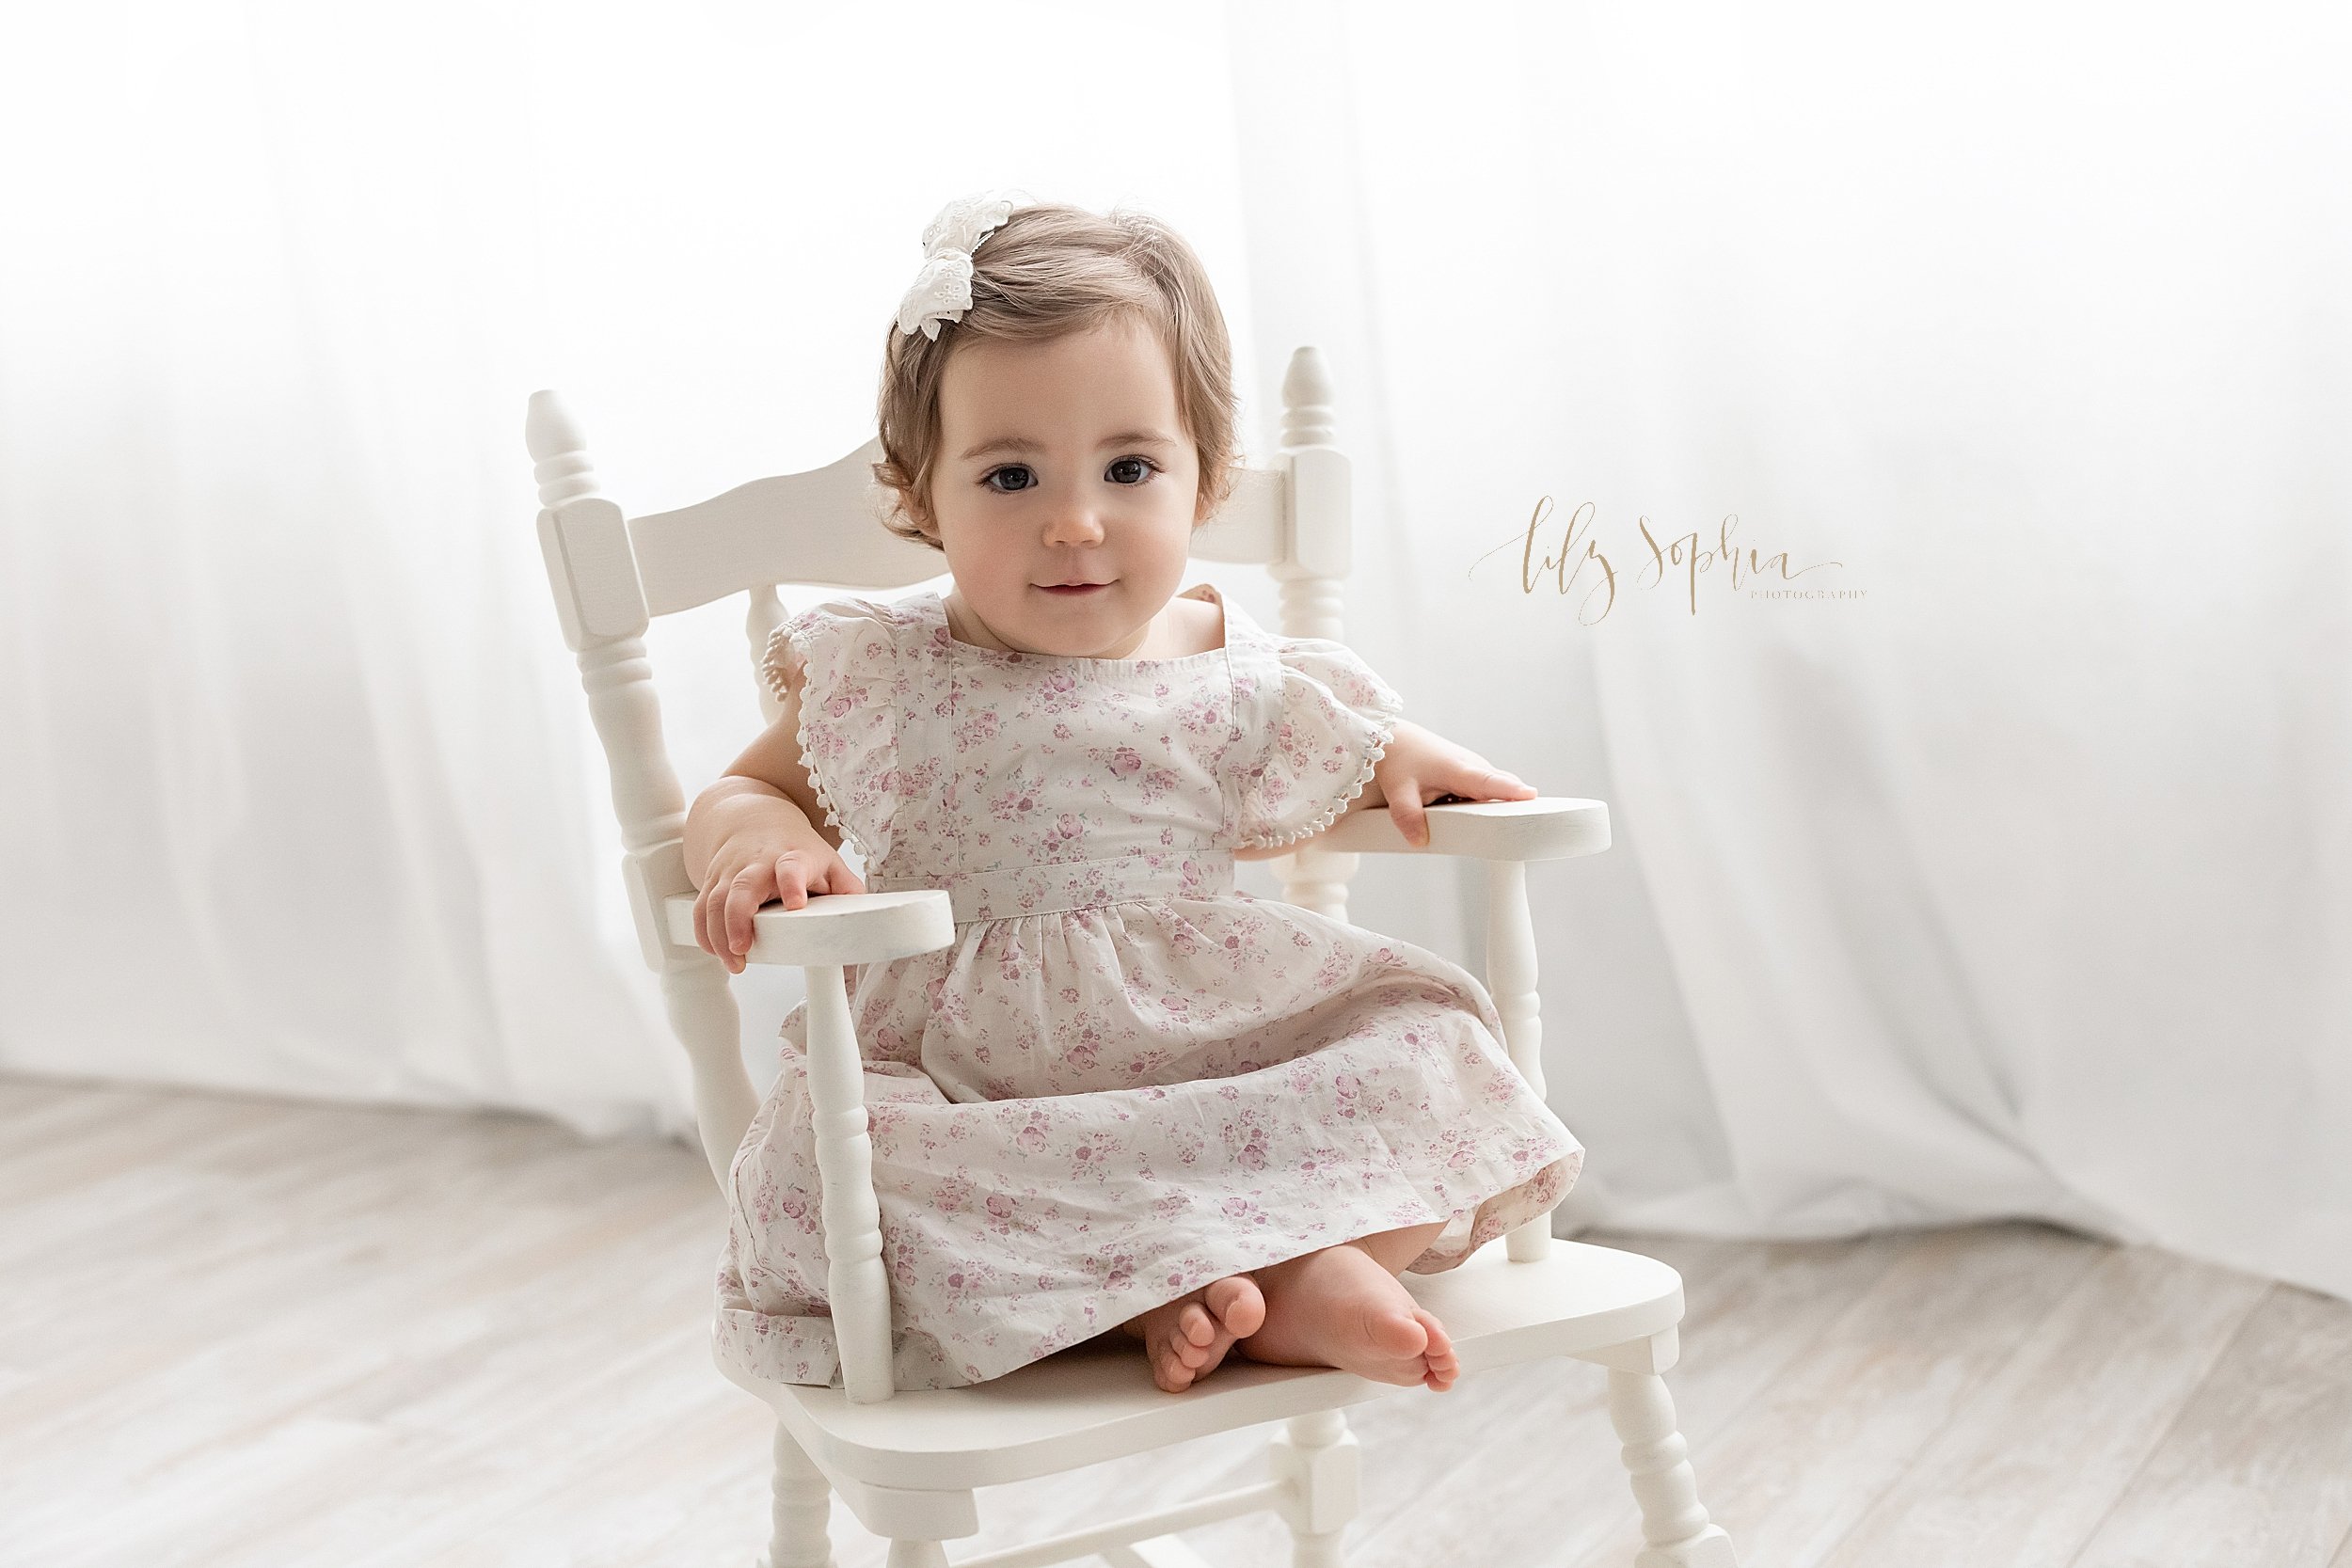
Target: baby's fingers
[(705, 918), (1506, 787), (796, 879), (710, 919), (1478, 782), (751, 887), (1404, 810)]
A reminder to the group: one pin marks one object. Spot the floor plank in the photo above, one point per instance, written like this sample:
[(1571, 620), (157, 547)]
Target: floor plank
[(2257, 1468), (2024, 1472), (236, 1333)]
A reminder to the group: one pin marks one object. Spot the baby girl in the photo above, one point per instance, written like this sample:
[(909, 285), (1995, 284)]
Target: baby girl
[(1128, 1095)]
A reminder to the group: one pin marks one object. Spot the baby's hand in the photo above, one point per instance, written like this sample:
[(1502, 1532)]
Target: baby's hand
[(1418, 767), (747, 872)]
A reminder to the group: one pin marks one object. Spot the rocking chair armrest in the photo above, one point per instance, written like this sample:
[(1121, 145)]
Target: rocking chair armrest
[(836, 928), (822, 936), (1548, 828)]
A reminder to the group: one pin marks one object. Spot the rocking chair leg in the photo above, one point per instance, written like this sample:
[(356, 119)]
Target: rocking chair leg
[(803, 1509), (1678, 1531), (1317, 1455)]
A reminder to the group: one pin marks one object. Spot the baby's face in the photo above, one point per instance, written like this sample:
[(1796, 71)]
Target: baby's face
[(1063, 462)]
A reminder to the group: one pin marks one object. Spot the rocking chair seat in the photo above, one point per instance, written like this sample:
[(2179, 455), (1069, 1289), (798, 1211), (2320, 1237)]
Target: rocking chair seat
[(1096, 1400)]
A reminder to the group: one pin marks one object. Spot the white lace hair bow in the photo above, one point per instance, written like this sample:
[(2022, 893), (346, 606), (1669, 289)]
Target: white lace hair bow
[(941, 291)]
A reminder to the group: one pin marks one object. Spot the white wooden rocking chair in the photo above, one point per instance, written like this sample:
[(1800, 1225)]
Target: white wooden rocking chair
[(908, 1463)]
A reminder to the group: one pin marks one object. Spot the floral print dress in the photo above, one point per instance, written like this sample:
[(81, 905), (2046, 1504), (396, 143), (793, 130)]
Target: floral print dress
[(1125, 1078)]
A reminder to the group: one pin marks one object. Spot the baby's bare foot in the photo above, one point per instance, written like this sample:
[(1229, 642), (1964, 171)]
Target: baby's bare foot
[(1341, 1307), (1186, 1339)]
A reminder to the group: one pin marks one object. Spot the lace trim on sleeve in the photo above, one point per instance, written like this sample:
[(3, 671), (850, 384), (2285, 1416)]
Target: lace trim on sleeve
[(797, 631), (1385, 732)]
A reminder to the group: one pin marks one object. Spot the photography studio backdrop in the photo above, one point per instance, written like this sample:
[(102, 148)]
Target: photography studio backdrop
[(2015, 882)]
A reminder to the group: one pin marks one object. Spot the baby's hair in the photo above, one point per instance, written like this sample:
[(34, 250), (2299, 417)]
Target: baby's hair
[(1048, 271)]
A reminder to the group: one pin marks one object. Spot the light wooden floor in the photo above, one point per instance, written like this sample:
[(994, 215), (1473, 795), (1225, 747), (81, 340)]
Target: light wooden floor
[(246, 1332)]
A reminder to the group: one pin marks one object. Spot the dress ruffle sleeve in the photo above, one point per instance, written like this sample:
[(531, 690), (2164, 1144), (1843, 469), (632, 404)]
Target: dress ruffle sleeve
[(1333, 722), (853, 689)]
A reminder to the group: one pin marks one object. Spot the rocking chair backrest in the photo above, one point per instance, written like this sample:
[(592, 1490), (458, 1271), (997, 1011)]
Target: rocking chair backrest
[(610, 575)]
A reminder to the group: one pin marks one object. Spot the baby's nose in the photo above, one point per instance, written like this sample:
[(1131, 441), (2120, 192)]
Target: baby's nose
[(1076, 525)]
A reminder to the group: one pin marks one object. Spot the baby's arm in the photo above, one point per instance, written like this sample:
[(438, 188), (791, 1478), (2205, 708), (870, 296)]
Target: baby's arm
[(1418, 768), (754, 835)]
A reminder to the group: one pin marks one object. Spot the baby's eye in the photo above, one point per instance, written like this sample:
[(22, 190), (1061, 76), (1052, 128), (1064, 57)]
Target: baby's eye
[(1025, 477), (1131, 470)]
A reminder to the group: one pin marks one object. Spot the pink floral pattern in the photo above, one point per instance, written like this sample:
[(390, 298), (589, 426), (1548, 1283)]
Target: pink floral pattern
[(1125, 1078)]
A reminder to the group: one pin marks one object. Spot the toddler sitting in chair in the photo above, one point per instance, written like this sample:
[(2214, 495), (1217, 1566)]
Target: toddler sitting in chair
[(1127, 1095)]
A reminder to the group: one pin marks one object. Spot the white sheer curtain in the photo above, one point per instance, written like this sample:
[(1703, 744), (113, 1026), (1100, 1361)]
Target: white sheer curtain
[(2016, 886), (2020, 884), (300, 794)]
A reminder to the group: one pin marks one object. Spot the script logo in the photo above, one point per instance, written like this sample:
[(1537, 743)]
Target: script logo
[(1680, 559)]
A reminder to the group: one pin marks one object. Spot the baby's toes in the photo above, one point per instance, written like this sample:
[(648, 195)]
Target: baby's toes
[(1238, 1305), (1192, 1357), (1168, 1368), (1195, 1325), (1445, 1364)]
